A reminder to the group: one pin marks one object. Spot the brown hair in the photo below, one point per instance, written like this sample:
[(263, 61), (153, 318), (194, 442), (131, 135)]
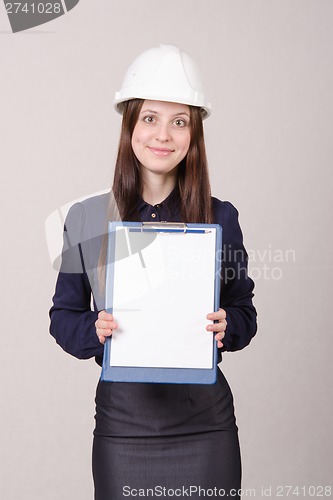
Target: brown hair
[(192, 179)]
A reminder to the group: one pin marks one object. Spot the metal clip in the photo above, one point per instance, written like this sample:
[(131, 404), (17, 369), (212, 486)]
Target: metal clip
[(164, 226)]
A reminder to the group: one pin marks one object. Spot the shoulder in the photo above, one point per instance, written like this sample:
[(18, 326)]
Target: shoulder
[(224, 211), (226, 215), (93, 203), (88, 215)]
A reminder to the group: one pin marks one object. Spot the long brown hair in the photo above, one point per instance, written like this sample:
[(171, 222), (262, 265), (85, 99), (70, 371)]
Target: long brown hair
[(192, 177)]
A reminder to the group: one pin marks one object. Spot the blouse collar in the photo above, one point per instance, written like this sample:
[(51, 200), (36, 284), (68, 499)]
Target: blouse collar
[(169, 207)]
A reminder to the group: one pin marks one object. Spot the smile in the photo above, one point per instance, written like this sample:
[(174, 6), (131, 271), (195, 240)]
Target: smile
[(161, 151)]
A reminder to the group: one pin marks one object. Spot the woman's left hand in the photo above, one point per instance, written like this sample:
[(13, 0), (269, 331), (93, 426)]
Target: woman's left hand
[(219, 327)]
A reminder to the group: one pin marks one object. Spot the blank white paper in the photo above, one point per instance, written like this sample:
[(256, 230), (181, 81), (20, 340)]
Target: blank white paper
[(160, 302)]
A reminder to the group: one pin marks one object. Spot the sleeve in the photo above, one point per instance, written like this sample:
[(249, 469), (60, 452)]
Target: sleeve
[(236, 286), (72, 320)]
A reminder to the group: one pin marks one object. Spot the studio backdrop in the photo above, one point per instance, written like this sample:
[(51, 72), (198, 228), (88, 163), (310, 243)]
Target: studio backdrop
[(267, 68)]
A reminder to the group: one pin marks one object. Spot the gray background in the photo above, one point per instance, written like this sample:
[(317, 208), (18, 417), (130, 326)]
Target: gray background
[(268, 71)]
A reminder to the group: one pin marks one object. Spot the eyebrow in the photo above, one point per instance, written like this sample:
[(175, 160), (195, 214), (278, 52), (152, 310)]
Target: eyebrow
[(182, 113)]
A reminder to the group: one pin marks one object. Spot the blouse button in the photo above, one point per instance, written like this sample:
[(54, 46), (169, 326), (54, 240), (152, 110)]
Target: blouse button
[(153, 215)]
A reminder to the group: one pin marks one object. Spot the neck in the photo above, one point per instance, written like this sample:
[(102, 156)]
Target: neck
[(157, 188)]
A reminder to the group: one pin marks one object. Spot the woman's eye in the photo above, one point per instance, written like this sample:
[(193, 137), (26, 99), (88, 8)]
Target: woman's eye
[(180, 122), (149, 119)]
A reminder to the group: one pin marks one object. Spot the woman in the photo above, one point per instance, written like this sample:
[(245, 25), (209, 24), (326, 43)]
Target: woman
[(154, 436)]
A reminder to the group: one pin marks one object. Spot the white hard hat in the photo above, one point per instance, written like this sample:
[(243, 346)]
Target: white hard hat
[(164, 73)]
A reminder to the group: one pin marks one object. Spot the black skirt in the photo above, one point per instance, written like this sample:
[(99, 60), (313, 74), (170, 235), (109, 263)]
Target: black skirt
[(163, 440)]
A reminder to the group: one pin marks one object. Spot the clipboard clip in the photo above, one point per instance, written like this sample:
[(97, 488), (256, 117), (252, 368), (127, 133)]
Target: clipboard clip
[(164, 227)]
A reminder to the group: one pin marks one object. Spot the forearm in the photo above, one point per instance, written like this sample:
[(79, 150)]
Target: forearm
[(241, 327), (72, 321)]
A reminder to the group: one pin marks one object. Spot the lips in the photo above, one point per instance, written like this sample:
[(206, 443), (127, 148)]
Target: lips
[(160, 151)]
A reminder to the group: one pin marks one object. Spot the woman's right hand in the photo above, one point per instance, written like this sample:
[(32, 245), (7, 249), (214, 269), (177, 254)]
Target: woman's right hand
[(105, 326)]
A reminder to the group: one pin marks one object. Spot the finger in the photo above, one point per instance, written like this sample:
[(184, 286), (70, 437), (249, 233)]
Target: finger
[(103, 334), (105, 316), (101, 338), (102, 324), (219, 336), (106, 332), (217, 315), (217, 327)]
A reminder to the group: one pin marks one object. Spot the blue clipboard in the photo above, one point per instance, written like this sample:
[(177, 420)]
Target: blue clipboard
[(149, 261)]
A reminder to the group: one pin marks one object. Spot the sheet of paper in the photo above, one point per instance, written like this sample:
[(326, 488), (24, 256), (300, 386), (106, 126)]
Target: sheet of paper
[(161, 297)]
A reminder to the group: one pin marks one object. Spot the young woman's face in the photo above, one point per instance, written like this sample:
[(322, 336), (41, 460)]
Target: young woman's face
[(161, 136)]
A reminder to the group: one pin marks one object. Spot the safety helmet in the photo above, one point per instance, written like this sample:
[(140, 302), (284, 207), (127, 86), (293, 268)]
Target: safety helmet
[(164, 73)]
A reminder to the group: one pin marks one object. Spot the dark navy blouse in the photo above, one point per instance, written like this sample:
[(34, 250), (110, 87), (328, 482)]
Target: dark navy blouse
[(72, 318)]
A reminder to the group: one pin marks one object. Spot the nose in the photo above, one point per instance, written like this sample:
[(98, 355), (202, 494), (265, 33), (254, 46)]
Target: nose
[(163, 132)]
